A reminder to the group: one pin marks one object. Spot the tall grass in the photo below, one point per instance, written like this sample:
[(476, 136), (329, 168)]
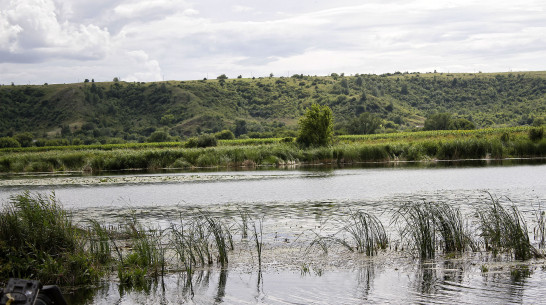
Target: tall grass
[(366, 232), (505, 230), (425, 227), (445, 145), (38, 240)]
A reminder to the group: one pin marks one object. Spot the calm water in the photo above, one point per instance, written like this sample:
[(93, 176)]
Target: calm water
[(296, 201)]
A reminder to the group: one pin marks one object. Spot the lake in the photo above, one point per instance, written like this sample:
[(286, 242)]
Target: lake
[(296, 204)]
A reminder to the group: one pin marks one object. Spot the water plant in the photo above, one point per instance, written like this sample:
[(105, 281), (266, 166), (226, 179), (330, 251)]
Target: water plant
[(428, 226), (366, 232), (38, 240), (505, 230)]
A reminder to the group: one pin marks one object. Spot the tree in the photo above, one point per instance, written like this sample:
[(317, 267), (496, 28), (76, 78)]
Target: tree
[(159, 136), (316, 126), (240, 127), (461, 124), (6, 142), (366, 123), (438, 121), (224, 135), (25, 139)]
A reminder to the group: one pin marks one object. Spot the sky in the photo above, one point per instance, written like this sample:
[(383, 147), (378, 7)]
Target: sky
[(62, 41)]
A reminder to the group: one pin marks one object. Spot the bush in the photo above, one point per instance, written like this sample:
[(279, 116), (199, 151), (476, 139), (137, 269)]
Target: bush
[(159, 136), (7, 142), (201, 141), (536, 134), (224, 135)]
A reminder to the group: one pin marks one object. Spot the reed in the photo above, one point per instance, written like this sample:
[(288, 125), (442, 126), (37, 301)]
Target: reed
[(367, 233), (258, 241), (429, 226), (38, 240), (505, 230), (418, 227)]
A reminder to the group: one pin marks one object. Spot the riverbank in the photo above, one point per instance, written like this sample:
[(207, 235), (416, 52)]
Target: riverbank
[(516, 142)]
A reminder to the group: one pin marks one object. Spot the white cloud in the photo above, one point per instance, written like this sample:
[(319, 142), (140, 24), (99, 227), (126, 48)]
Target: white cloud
[(137, 9), (148, 69), (34, 30), (144, 39)]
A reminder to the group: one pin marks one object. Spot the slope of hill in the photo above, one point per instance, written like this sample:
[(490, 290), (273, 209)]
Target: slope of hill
[(132, 111)]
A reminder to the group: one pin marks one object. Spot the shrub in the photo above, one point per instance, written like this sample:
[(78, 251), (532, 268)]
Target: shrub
[(201, 141), (7, 142), (224, 135), (536, 134)]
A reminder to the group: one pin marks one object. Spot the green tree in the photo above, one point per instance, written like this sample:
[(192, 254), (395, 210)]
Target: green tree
[(316, 126), (366, 123), (25, 139), (460, 124), (240, 127), (225, 135), (6, 142), (159, 136), (438, 121)]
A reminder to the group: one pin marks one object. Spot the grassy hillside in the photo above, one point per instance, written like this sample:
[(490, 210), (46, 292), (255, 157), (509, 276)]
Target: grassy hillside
[(114, 112)]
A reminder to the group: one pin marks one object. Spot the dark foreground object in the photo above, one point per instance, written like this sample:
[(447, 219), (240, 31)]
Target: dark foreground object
[(28, 292)]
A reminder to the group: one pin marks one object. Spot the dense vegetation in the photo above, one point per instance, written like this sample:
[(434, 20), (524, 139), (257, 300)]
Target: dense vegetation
[(412, 146), (119, 112)]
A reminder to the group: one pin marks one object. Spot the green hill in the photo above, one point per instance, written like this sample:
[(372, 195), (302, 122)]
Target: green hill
[(118, 111)]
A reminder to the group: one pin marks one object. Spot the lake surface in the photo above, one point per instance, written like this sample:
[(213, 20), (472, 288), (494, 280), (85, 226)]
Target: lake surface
[(294, 205)]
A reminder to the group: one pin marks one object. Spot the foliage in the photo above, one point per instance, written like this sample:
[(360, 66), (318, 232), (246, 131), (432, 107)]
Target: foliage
[(366, 123), (159, 136), (201, 141), (9, 142), (38, 240), (536, 134), (95, 112), (316, 126), (224, 135), (438, 121)]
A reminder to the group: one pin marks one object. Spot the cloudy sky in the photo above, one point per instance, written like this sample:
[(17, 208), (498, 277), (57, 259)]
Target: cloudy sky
[(62, 41)]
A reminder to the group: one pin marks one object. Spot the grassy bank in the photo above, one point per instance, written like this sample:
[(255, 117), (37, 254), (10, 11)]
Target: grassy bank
[(520, 142)]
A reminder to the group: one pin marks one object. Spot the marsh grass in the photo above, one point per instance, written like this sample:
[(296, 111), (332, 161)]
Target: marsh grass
[(146, 255), (366, 233), (359, 231), (258, 240), (410, 146), (540, 228), (505, 230), (38, 240), (426, 227)]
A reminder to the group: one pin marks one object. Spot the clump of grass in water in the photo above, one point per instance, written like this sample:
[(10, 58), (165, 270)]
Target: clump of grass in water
[(540, 229), (99, 242), (429, 225), (367, 233), (419, 227), (38, 240), (504, 229), (147, 256)]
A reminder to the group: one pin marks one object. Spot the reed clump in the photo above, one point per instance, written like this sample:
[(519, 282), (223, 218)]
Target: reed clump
[(426, 227), (38, 240), (367, 233), (505, 230)]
